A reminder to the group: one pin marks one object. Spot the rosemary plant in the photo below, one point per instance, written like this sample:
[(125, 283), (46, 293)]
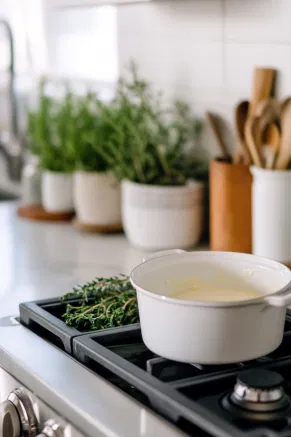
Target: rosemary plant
[(148, 142), (103, 303), (92, 135), (51, 131)]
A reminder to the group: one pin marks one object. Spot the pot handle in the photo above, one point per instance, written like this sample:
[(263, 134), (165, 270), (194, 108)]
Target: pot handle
[(162, 253), (281, 300)]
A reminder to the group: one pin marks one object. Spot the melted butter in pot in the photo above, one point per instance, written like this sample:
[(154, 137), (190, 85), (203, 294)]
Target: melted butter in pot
[(209, 292), (218, 295)]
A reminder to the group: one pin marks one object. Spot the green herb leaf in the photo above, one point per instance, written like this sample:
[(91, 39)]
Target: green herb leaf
[(103, 303)]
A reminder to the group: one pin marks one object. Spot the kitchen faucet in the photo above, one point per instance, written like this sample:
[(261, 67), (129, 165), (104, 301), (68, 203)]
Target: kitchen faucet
[(10, 147)]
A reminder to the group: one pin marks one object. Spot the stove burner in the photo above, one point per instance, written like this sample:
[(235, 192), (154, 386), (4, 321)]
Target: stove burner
[(258, 386), (258, 395)]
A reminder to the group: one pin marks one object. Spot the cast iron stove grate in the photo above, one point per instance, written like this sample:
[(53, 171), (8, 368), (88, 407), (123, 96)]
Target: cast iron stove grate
[(44, 318), (191, 396)]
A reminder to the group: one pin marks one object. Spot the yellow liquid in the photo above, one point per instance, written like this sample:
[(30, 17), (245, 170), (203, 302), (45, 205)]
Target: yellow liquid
[(216, 295)]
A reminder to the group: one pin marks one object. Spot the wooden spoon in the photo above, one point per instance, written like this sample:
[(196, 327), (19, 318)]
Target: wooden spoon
[(263, 83), (284, 103), (271, 141), (268, 110), (212, 119), (241, 154), (252, 133), (284, 154)]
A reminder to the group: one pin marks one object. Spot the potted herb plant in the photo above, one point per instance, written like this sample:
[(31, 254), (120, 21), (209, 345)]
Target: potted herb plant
[(96, 192), (51, 136), (151, 150)]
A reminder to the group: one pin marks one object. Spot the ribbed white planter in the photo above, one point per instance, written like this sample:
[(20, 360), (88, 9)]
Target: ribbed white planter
[(157, 217), (97, 199), (57, 191)]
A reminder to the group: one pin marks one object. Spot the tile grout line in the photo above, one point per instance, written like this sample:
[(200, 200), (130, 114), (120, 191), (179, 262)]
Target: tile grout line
[(223, 47)]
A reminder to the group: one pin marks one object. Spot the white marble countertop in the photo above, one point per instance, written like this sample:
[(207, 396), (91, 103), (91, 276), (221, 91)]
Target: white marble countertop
[(40, 260)]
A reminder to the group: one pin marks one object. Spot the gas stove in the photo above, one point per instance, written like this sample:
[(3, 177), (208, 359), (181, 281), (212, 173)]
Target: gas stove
[(244, 399), (160, 397)]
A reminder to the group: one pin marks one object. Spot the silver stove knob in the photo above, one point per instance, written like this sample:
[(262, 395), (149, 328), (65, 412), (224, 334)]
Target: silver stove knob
[(242, 392), (24, 408), (9, 420), (51, 429), (259, 386)]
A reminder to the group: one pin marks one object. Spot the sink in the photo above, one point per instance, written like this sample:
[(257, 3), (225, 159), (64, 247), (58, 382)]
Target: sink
[(5, 196)]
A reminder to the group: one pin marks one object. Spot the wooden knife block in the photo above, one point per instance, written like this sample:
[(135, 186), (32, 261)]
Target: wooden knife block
[(230, 207)]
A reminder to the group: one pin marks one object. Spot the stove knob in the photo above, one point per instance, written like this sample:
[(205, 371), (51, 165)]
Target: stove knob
[(259, 385), (10, 425), (24, 409), (51, 429)]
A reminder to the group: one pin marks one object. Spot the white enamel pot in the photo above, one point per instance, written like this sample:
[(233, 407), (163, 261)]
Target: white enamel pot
[(212, 332)]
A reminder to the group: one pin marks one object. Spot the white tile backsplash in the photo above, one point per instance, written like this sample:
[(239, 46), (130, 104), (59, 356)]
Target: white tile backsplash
[(173, 19), (166, 64), (265, 21), (241, 59), (177, 44), (205, 51)]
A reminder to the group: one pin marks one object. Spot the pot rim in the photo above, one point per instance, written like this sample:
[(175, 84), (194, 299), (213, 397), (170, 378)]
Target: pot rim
[(214, 304)]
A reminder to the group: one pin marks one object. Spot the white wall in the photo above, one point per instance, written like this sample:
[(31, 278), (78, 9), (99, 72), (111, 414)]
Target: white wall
[(205, 50)]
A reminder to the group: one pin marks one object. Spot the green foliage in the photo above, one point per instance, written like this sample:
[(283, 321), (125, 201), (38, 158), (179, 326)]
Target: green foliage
[(148, 143), (91, 135), (103, 303), (64, 133), (135, 136), (50, 133)]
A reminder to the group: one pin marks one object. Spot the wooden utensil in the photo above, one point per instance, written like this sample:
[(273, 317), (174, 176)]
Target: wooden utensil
[(241, 155), (268, 113), (212, 119), (268, 110), (252, 134), (263, 82), (271, 143), (284, 154), (284, 103)]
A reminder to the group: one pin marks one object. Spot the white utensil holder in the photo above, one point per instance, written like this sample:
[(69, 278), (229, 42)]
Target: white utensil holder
[(271, 214)]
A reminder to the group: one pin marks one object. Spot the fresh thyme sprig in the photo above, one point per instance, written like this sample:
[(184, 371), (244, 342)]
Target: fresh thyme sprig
[(103, 303)]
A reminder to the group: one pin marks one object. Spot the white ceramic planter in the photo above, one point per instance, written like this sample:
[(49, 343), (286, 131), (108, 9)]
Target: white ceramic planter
[(157, 217), (97, 199), (31, 182), (57, 192), (271, 216)]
